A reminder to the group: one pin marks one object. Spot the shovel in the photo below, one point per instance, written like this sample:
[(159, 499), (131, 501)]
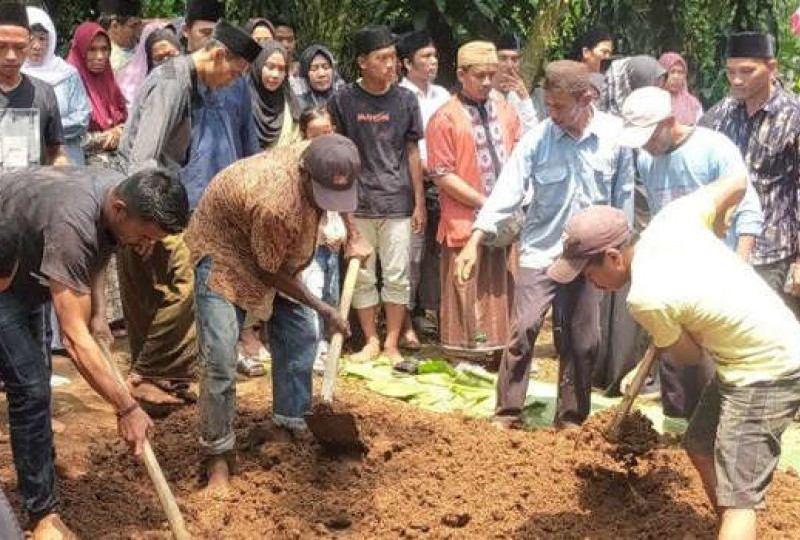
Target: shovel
[(631, 392), (168, 503), (336, 431)]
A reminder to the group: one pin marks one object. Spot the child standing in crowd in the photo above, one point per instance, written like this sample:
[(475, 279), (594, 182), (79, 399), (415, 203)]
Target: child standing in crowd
[(322, 275)]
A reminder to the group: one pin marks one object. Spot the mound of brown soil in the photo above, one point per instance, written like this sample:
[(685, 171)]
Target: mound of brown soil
[(425, 476)]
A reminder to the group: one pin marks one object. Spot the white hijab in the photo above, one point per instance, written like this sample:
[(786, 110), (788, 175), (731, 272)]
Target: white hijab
[(53, 70)]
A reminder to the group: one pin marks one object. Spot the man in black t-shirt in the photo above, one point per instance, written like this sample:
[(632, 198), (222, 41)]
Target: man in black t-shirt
[(385, 122), (9, 259), (69, 220), (19, 91)]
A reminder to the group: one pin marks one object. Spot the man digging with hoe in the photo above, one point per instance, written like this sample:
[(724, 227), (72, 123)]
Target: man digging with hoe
[(253, 232), (721, 308), (70, 220)]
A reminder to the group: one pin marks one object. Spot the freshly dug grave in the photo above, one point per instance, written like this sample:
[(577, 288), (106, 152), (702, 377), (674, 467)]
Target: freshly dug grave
[(425, 476)]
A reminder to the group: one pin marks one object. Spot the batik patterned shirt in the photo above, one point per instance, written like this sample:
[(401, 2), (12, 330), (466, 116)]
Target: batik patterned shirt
[(770, 143), (488, 134), (255, 218)]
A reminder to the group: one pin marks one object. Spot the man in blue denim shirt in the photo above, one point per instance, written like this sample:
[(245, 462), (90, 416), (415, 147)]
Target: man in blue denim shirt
[(222, 133), (567, 163)]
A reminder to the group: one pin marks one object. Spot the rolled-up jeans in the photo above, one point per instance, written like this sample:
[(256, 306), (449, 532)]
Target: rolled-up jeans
[(293, 347), (25, 368)]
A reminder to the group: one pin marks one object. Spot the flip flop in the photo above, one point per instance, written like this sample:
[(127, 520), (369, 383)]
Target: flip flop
[(408, 365)]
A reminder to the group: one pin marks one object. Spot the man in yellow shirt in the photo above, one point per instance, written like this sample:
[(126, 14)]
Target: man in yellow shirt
[(695, 296)]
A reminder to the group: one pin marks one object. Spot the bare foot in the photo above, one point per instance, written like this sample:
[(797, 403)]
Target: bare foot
[(51, 527), (371, 351), (268, 432), (69, 470), (58, 426), (219, 477), (506, 422), (410, 339), (392, 353), (250, 343), (149, 392)]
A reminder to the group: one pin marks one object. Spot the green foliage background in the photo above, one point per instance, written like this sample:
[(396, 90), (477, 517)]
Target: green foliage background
[(696, 28)]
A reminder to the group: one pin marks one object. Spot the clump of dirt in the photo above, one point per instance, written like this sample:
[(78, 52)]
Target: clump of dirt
[(426, 475), (335, 429), (635, 439)]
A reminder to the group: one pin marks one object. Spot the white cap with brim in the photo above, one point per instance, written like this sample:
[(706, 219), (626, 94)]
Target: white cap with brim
[(641, 113), (636, 136)]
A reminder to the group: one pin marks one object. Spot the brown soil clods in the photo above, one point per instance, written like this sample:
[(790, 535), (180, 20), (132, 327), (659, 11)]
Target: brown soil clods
[(446, 476), (636, 439)]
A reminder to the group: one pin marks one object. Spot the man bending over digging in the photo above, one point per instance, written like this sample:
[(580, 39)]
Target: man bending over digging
[(693, 295), (253, 232)]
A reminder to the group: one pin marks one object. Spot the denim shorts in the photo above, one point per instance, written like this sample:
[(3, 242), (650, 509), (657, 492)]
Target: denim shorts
[(742, 428)]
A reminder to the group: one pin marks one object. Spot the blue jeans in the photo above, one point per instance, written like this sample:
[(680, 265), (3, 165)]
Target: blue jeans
[(25, 368), (327, 263), (292, 344)]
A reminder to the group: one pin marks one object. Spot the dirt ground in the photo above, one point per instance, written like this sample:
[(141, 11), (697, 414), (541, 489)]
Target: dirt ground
[(426, 476)]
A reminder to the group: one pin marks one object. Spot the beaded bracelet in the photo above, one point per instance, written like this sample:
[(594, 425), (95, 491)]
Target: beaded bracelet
[(127, 410)]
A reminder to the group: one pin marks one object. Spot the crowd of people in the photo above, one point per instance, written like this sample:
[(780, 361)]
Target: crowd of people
[(197, 186)]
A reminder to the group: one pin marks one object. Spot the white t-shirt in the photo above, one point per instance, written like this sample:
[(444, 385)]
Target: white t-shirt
[(428, 104), (684, 279)]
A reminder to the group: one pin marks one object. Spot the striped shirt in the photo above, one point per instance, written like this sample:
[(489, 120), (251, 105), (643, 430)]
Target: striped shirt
[(770, 143)]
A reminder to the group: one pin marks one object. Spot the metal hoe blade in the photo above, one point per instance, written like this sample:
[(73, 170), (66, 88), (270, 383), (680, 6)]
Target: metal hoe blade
[(612, 432), (336, 431)]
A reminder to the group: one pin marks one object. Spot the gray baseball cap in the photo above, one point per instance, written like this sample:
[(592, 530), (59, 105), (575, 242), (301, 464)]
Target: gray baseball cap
[(333, 163)]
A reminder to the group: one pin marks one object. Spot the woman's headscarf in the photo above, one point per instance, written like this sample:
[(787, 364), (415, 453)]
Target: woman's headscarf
[(685, 106), (134, 73), (269, 106), (254, 23), (108, 104), (53, 69), (627, 74), (309, 96), (162, 34)]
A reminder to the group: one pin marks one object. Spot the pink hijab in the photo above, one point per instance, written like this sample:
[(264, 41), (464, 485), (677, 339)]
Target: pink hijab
[(133, 75), (108, 105), (685, 106)]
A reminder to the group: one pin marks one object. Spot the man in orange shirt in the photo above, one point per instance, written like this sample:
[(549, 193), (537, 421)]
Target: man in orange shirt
[(469, 140)]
